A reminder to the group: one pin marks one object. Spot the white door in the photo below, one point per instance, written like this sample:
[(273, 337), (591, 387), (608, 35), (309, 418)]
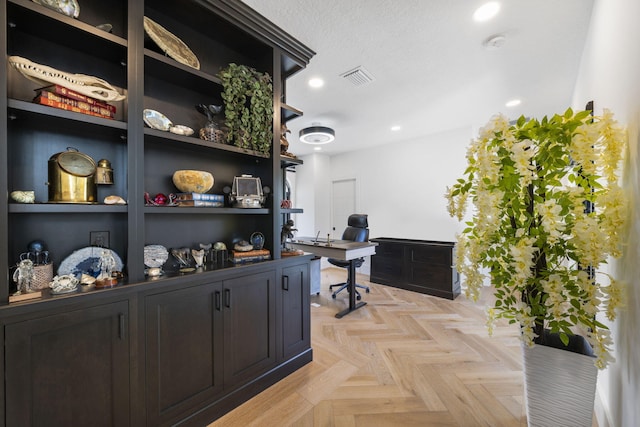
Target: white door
[(343, 204)]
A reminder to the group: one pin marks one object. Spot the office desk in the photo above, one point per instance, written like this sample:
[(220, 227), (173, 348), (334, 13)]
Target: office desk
[(340, 249)]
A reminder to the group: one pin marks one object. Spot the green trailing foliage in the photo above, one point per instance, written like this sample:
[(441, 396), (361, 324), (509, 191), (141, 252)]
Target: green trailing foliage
[(248, 106)]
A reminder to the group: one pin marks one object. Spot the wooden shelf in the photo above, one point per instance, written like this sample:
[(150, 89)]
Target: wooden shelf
[(289, 113), (165, 68), (18, 107), (70, 208), (188, 210), (193, 140), (286, 161), (29, 17)]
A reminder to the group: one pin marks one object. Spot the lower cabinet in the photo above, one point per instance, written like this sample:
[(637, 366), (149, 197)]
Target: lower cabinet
[(249, 326), (204, 340), (184, 344), (69, 369), (416, 265), (296, 323), (193, 349)]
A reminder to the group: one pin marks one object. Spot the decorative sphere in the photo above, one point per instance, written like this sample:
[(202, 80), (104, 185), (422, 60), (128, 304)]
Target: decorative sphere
[(193, 181), (36, 246), (160, 199), (257, 240)]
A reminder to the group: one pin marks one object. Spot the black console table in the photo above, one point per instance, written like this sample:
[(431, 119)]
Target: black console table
[(417, 265)]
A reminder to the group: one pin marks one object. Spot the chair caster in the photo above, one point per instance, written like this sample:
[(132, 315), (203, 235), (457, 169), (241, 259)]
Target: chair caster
[(358, 297), (367, 290), (333, 296)]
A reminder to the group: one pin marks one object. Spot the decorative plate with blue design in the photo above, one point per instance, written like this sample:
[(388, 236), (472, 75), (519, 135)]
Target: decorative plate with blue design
[(86, 260)]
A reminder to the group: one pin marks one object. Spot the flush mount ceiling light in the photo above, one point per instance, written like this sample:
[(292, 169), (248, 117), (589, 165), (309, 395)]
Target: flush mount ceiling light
[(317, 135)]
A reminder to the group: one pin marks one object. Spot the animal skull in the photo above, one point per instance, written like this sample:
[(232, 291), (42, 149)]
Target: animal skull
[(81, 83)]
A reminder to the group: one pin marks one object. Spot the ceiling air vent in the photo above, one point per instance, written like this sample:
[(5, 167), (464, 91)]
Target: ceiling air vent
[(358, 76)]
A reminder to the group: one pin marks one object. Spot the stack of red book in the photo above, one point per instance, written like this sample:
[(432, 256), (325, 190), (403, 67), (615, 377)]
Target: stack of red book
[(66, 99)]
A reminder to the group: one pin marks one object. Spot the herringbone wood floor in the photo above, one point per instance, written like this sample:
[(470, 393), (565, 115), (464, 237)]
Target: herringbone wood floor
[(405, 359)]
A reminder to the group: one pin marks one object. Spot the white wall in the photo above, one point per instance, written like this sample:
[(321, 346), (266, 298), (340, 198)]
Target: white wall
[(610, 76), (313, 193), (401, 186)]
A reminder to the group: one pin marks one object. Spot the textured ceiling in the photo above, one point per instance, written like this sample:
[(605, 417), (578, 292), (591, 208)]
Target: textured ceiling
[(431, 72)]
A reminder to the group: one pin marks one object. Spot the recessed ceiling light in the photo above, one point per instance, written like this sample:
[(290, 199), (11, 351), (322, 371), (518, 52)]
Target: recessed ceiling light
[(396, 128), (316, 82), (513, 103), (486, 11), (317, 148)]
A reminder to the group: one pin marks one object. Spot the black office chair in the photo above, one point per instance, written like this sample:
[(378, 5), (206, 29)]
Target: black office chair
[(356, 231)]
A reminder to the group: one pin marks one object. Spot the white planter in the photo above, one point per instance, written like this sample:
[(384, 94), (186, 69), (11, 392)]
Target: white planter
[(560, 387)]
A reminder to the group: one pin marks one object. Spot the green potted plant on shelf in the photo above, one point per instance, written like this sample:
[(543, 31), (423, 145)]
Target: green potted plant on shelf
[(248, 107), (548, 214)]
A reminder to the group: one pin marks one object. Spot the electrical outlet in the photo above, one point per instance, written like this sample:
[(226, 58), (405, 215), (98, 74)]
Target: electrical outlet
[(99, 238)]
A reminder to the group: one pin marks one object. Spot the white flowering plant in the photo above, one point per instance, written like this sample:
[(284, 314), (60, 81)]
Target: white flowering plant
[(548, 213)]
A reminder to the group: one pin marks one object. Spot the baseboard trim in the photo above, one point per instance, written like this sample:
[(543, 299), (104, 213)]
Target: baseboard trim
[(235, 398), (602, 412)]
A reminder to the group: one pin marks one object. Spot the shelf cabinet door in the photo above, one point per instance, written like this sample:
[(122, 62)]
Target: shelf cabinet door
[(295, 310), (69, 369), (249, 326), (183, 350)]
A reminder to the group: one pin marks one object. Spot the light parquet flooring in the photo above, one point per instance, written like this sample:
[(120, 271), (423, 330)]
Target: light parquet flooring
[(405, 359)]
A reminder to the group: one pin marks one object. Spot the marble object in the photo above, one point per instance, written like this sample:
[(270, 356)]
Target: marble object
[(114, 200), (155, 255), (23, 196), (193, 181)]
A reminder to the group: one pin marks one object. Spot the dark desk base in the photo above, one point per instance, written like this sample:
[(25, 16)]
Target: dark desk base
[(351, 278), (350, 309)]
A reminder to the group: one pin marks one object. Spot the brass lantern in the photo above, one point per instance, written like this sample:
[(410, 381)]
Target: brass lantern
[(104, 173)]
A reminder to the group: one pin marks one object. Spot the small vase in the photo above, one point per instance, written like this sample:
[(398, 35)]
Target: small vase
[(211, 132)]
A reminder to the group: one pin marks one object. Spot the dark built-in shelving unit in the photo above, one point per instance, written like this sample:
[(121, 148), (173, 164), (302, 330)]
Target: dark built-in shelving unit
[(181, 349)]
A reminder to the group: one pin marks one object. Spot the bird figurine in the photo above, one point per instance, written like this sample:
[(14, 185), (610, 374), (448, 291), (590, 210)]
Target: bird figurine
[(284, 144), (210, 111)]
